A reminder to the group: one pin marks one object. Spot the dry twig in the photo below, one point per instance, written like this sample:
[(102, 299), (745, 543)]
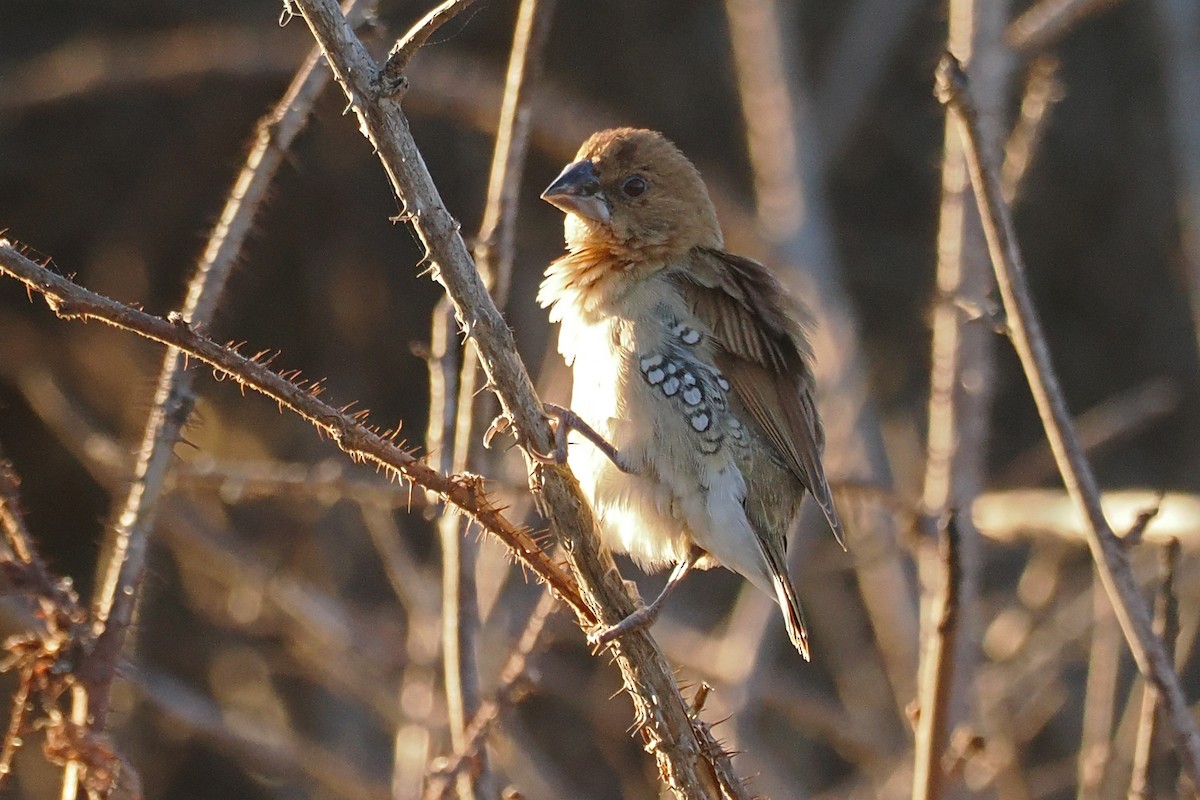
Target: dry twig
[(1107, 552), (123, 566), (514, 680), (937, 666), (1151, 777), (468, 412)]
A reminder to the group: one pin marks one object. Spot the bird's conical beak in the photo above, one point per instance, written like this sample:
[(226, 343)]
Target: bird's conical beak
[(577, 191)]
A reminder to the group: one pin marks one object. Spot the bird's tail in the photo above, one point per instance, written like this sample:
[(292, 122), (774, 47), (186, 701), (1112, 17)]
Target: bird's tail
[(789, 603)]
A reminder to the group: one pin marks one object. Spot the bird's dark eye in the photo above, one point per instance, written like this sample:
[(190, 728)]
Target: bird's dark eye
[(634, 186)]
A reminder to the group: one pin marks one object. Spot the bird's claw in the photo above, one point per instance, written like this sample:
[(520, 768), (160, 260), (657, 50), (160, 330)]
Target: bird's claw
[(504, 422), (639, 620), (499, 425), (567, 420)]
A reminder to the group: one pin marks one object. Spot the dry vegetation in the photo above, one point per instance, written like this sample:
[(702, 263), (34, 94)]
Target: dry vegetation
[(234, 608)]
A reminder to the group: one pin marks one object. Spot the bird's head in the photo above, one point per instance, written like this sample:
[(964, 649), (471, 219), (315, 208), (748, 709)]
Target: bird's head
[(633, 191)]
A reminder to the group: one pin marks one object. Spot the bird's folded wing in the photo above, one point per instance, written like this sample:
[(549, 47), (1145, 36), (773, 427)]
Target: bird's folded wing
[(764, 353)]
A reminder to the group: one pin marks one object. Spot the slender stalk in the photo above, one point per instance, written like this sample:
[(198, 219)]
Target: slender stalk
[(494, 254), (1152, 778), (960, 387), (1099, 696), (124, 565), (938, 665), (1025, 329)]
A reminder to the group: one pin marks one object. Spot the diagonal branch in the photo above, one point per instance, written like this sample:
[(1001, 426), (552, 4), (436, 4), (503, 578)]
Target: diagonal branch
[(392, 76), (494, 258), (1110, 558), (119, 584), (71, 301), (678, 745)]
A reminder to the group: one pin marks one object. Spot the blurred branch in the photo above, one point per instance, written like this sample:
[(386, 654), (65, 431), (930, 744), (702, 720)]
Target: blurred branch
[(323, 483), (124, 561), (1151, 777), (470, 413), (1099, 695), (250, 739), (313, 627), (961, 378), (937, 667), (1027, 337), (854, 71), (70, 301), (1047, 21), (1179, 37), (1042, 92), (1013, 514), (792, 216), (514, 678), (1114, 419), (678, 746)]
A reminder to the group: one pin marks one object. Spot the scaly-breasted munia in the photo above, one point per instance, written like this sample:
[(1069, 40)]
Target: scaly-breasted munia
[(691, 362)]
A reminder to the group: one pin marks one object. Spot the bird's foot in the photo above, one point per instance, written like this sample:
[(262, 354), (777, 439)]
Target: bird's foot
[(645, 616), (639, 620), (566, 421), (503, 422), (563, 420)]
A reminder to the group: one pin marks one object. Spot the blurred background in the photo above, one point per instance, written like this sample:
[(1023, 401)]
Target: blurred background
[(288, 644)]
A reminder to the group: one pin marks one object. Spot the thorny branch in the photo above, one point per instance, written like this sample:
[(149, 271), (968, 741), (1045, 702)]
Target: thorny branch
[(457, 423), (45, 659), (121, 571), (1025, 329), (392, 79), (679, 746), (349, 431)]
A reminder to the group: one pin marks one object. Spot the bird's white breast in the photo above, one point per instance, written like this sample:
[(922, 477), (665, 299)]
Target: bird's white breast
[(644, 379)]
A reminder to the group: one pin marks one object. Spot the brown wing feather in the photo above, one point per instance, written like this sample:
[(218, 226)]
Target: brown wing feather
[(763, 351)]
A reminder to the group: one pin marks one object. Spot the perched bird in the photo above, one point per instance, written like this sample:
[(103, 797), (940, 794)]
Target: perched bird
[(692, 374)]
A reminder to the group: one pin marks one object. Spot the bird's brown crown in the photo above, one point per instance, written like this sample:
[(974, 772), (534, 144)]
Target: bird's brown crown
[(648, 198)]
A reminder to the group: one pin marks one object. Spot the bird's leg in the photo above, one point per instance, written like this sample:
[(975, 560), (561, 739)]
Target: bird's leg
[(565, 420), (645, 616)]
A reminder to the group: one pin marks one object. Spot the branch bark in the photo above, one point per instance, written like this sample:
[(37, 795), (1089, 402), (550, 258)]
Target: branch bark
[(1152, 778), (1030, 343)]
